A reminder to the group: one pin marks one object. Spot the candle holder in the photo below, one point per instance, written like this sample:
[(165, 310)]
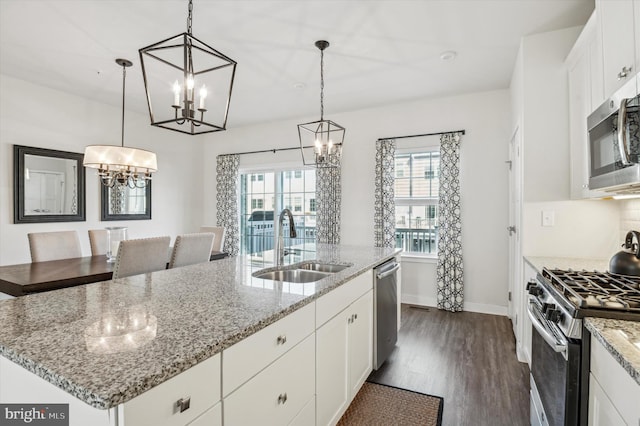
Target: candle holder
[(115, 234)]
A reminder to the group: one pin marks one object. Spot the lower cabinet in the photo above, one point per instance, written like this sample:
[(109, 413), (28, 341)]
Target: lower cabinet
[(344, 358), (613, 394)]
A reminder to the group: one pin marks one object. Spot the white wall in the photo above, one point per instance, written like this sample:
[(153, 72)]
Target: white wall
[(40, 117), (484, 116)]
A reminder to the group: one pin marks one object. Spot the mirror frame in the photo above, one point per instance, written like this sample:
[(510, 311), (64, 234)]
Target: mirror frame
[(19, 216), (104, 210)]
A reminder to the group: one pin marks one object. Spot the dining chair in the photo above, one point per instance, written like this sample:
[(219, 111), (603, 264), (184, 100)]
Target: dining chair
[(46, 246), (220, 233), (140, 256), (191, 248), (98, 241)]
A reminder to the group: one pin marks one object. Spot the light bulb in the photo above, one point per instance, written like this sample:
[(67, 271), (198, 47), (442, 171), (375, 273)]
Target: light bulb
[(176, 93), (318, 146), (190, 82), (330, 146), (203, 95)]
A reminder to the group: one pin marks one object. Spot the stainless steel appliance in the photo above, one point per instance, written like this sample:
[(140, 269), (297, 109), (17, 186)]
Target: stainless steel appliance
[(558, 302), (614, 142), (385, 314)]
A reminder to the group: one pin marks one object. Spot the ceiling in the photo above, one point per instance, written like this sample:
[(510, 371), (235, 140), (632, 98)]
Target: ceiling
[(381, 52)]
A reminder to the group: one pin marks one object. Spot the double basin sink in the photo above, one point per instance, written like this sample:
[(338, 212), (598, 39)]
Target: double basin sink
[(306, 272)]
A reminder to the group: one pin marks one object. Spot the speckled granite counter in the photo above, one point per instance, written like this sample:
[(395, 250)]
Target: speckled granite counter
[(622, 340), (172, 319), (575, 263)]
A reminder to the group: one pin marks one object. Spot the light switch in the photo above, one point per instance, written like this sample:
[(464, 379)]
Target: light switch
[(548, 218)]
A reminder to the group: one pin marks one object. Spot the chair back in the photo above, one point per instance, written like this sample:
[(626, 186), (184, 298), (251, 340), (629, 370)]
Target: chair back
[(191, 248), (54, 245), (141, 256), (98, 241), (220, 233)]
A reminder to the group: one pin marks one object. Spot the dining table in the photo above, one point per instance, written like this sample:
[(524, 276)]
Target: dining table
[(26, 278)]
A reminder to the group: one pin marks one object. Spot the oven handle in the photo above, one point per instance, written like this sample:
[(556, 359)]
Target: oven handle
[(560, 347)]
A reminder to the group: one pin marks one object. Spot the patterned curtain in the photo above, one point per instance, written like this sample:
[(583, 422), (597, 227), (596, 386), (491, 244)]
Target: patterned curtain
[(449, 273), (385, 206), (227, 201), (328, 199)]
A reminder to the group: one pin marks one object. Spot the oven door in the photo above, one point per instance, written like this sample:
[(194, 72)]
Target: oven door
[(555, 371)]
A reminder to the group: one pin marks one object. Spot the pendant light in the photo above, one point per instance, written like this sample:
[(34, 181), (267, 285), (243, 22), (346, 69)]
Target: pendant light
[(119, 165), (321, 141), (188, 83)]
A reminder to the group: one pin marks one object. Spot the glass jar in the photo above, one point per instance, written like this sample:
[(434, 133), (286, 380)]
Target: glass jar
[(115, 234)]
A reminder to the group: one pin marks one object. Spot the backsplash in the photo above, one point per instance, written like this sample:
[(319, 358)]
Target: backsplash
[(629, 217)]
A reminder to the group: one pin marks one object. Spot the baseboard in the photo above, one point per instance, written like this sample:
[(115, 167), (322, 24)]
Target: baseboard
[(467, 306)]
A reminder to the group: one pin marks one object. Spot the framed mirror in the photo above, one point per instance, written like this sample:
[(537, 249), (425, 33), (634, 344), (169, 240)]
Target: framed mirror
[(125, 203), (48, 185)]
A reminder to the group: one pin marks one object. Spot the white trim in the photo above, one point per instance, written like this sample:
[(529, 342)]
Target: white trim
[(467, 306), (272, 167), (414, 257)]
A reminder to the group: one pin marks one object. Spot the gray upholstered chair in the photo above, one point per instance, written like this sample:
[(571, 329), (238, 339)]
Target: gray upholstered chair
[(191, 248), (54, 245), (220, 233), (98, 241), (141, 256)]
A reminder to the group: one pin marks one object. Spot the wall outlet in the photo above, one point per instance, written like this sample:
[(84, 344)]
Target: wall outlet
[(548, 218)]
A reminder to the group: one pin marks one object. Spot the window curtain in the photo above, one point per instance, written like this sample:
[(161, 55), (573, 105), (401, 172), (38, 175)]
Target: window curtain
[(449, 272), (385, 207), (227, 200), (328, 199)]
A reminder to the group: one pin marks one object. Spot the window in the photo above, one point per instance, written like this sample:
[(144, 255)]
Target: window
[(416, 191), (292, 189)]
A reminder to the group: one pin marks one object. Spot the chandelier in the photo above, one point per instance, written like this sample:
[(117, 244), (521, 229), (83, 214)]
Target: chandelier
[(188, 83), (119, 165), (321, 141)]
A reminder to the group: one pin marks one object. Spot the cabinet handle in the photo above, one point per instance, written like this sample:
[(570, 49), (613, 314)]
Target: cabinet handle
[(184, 404), (282, 398), (281, 340), (624, 73), (355, 316)]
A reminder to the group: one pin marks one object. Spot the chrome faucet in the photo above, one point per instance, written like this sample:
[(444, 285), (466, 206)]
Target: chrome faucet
[(280, 240)]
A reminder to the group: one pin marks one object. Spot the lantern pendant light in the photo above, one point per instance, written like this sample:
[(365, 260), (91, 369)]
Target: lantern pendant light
[(321, 141), (188, 83)]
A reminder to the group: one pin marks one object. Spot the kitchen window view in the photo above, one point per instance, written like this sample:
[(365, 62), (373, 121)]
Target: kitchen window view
[(263, 195), (416, 197)]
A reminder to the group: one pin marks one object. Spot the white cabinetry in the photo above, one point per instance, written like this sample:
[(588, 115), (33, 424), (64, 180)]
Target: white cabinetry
[(613, 394), (619, 39), (584, 72), (344, 345), (277, 394)]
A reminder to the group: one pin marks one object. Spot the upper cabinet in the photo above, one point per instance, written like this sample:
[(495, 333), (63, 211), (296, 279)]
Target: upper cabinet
[(619, 41), (584, 69)]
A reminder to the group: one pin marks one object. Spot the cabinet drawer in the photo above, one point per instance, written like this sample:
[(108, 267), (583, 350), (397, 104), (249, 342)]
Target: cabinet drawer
[(211, 417), (248, 357), (337, 300), (307, 416), (158, 406), (277, 394)]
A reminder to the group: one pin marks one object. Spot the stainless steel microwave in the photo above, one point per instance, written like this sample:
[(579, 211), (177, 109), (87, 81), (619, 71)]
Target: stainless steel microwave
[(614, 142)]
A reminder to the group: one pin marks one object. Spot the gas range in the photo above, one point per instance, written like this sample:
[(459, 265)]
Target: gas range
[(564, 297)]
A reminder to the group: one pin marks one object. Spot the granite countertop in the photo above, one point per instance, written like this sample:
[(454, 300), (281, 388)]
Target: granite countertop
[(575, 263), (622, 340), (108, 342)]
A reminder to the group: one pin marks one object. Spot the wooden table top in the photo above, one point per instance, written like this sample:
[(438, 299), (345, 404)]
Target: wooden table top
[(26, 278)]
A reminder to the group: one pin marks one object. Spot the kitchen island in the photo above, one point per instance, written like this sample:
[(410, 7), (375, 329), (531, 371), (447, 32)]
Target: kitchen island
[(108, 343)]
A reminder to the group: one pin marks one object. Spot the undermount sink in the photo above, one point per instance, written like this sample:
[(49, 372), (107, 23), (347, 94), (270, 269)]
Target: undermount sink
[(323, 267), (307, 272), (291, 275)]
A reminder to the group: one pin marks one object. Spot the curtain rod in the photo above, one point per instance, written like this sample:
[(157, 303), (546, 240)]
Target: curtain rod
[(274, 150), (424, 134)]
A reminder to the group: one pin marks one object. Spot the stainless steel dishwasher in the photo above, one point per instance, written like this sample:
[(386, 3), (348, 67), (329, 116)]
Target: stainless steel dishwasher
[(385, 314)]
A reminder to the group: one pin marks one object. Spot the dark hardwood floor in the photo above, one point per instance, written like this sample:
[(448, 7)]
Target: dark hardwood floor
[(468, 359)]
